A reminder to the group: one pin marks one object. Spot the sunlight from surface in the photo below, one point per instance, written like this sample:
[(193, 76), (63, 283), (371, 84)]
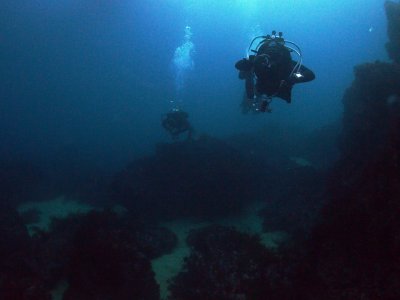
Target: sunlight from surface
[(268, 7)]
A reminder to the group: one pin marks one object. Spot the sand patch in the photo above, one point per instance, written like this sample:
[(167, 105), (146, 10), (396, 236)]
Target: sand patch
[(59, 207)]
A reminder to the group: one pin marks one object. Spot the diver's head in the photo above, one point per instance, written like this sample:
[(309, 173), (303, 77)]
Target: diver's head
[(274, 59), (266, 40)]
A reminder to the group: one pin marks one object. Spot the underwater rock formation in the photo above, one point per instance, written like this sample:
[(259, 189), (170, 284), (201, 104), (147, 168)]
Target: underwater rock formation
[(354, 249), (393, 16), (199, 178), (225, 264), (368, 107)]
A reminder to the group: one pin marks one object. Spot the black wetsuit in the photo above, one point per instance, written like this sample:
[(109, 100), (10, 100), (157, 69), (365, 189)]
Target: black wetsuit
[(272, 67), (177, 122)]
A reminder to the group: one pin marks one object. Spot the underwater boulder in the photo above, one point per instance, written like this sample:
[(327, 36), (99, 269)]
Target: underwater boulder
[(199, 178)]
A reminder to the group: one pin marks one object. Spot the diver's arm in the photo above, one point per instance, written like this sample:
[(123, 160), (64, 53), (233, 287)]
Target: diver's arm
[(245, 67)]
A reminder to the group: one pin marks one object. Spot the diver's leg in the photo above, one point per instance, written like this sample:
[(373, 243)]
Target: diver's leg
[(264, 103)]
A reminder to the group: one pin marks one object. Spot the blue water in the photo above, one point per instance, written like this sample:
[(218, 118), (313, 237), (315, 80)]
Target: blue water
[(93, 78)]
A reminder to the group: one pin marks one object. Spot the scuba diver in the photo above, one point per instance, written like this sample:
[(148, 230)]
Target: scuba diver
[(176, 122), (271, 72)]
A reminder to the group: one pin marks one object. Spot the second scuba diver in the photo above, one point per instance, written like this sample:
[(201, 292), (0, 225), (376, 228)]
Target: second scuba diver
[(176, 122)]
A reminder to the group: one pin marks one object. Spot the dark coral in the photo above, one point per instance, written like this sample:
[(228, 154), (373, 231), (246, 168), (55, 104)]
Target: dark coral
[(393, 16), (200, 178), (226, 264)]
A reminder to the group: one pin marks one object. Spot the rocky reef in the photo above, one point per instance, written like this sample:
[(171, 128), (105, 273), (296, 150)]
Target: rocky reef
[(354, 249), (99, 255), (202, 178), (352, 252), (226, 264)]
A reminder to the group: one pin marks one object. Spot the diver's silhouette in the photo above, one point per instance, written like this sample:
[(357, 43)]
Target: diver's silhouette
[(271, 72), (176, 122)]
